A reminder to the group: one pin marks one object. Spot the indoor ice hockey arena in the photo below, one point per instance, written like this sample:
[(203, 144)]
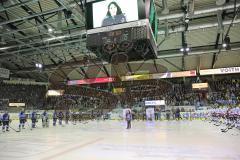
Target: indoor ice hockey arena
[(120, 79)]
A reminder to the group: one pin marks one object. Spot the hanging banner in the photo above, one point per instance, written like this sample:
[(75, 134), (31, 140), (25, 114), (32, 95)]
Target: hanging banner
[(162, 75), (190, 73), (229, 70), (199, 85), (136, 77), (92, 81), (16, 104), (55, 92), (4, 73), (155, 103)]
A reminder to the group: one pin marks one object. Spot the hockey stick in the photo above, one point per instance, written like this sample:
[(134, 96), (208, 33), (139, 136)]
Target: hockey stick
[(225, 129), (29, 125), (14, 129), (229, 126), (217, 124)]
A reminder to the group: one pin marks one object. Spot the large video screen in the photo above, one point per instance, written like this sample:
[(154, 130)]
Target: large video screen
[(111, 12)]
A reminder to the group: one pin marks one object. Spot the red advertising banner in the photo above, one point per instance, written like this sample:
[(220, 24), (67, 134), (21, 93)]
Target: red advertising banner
[(92, 81)]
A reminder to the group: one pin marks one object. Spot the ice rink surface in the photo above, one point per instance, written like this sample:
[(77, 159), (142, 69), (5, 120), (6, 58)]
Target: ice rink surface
[(110, 140)]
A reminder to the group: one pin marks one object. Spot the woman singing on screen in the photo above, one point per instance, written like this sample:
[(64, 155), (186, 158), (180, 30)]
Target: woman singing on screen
[(114, 15)]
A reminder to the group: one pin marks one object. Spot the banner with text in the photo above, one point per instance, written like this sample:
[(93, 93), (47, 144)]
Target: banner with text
[(155, 103), (229, 70)]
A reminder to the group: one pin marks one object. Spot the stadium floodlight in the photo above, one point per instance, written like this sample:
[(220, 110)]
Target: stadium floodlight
[(40, 66), (50, 30), (185, 49), (224, 45)]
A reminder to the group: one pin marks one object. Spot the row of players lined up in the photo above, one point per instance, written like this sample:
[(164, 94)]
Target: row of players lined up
[(60, 116), (230, 117)]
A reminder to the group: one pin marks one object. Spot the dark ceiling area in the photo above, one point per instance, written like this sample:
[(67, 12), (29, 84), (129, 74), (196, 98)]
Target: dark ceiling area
[(52, 33)]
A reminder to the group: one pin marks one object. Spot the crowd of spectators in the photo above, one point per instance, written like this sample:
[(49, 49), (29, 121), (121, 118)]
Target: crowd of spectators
[(224, 92), (32, 95), (220, 92), (82, 97)]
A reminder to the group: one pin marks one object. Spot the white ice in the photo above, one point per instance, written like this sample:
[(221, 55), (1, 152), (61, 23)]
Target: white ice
[(110, 140)]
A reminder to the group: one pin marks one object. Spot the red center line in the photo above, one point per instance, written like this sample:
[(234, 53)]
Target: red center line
[(71, 149)]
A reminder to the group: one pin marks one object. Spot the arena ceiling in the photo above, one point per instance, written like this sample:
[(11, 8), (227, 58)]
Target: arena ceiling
[(52, 32)]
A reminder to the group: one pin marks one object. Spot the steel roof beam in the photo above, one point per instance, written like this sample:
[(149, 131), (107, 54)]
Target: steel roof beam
[(200, 26), (106, 71), (46, 40), (180, 29), (31, 49), (220, 17), (40, 25), (66, 6), (80, 63), (35, 15), (22, 42), (197, 52), (198, 12), (6, 8), (36, 26), (180, 69), (155, 65), (129, 68), (83, 71)]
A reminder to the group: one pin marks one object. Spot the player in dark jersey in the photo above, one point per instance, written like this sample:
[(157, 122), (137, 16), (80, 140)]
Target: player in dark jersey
[(34, 119), (5, 121), (55, 116), (22, 119), (60, 117)]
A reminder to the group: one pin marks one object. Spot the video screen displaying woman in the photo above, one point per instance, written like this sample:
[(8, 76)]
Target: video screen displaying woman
[(112, 12), (114, 15)]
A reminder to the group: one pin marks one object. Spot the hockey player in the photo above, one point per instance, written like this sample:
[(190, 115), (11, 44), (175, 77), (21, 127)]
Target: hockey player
[(44, 119), (22, 120), (5, 121), (67, 116), (60, 117), (74, 118), (55, 116), (0, 120), (34, 119)]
